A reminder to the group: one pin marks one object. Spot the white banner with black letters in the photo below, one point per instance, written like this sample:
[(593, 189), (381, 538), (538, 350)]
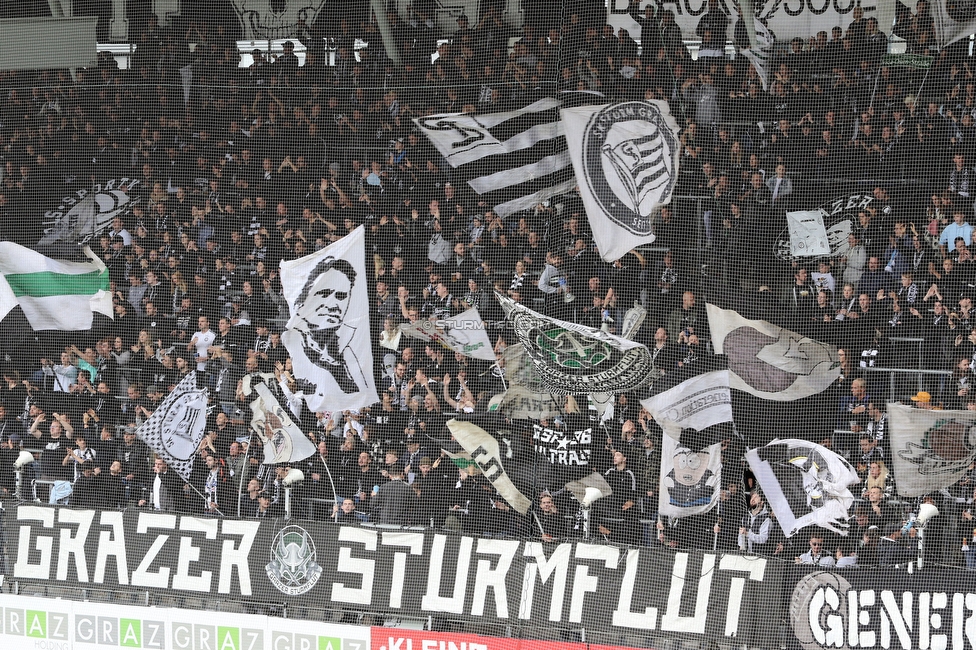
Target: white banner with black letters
[(625, 157)]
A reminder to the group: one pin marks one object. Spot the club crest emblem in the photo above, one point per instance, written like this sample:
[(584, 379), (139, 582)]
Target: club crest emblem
[(292, 568), (629, 161)]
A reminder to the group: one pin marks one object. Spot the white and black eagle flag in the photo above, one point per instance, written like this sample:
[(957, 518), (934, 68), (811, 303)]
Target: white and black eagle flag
[(572, 359), (514, 160), (177, 426), (805, 484), (328, 335), (626, 161), (930, 450)]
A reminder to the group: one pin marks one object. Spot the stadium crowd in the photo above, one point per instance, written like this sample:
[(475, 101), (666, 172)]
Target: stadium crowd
[(276, 160)]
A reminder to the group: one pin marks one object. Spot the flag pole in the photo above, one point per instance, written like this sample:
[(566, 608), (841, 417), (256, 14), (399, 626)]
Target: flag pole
[(240, 482), (200, 494), (501, 374)]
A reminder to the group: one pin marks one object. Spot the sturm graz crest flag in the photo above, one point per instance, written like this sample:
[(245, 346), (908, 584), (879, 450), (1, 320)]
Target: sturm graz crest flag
[(572, 359), (176, 427), (626, 161)]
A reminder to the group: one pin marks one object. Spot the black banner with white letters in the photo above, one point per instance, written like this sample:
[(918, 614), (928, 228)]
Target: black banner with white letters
[(880, 608), (414, 573)]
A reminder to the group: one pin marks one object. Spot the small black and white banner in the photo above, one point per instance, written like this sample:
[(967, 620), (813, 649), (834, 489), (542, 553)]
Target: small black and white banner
[(697, 403)]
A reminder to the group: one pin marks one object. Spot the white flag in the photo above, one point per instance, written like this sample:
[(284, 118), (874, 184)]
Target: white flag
[(760, 51), (177, 426), (486, 454), (769, 361), (691, 481), (953, 20), (805, 484), (930, 450), (696, 403), (625, 157), (54, 294), (283, 441), (464, 333), (328, 335)]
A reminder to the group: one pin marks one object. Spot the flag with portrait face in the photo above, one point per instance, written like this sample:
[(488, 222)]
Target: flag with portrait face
[(328, 333)]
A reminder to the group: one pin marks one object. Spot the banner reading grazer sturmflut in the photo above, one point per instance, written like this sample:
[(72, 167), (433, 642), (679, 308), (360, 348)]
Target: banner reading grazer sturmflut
[(611, 590), (930, 450), (572, 359), (327, 335), (626, 161), (769, 361)]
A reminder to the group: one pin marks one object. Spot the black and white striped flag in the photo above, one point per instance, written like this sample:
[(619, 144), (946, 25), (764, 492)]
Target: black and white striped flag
[(514, 160)]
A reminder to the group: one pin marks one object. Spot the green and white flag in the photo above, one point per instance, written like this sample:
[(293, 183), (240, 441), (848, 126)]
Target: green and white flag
[(54, 294)]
